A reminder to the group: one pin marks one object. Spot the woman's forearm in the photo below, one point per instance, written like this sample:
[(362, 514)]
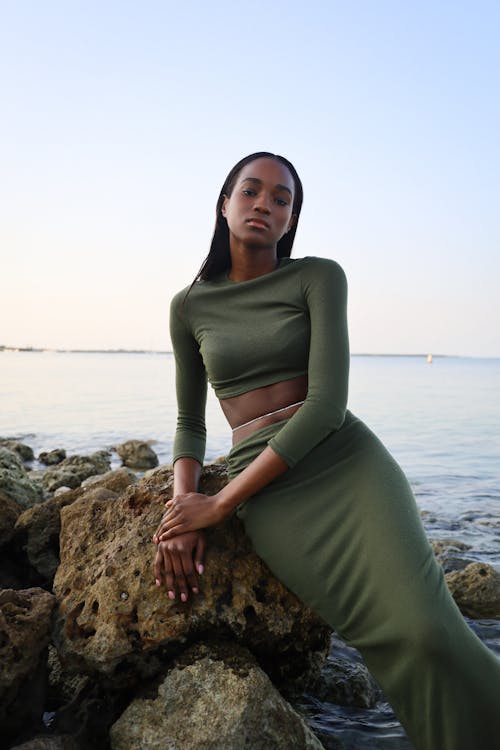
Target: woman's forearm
[(263, 469), (186, 475)]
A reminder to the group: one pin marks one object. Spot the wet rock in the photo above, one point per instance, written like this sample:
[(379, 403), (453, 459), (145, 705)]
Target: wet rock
[(220, 701), (38, 528), (137, 454), (50, 458), (24, 634), (347, 683), (476, 590), (113, 620), (24, 452), (72, 471), (441, 545), (9, 512), (450, 554), (15, 482)]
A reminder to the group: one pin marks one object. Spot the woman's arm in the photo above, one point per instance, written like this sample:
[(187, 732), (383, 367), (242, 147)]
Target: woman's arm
[(178, 560), (186, 512)]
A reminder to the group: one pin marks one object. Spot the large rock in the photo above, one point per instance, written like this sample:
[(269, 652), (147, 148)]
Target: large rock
[(113, 620), (24, 634), (137, 454), (15, 482), (72, 471), (38, 528), (220, 701), (9, 512), (476, 590)]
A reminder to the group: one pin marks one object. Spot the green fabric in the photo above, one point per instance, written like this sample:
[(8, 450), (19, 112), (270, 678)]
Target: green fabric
[(340, 528), (343, 532), (253, 333)]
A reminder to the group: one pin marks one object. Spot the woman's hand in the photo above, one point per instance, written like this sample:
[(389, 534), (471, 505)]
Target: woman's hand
[(189, 512), (177, 561)]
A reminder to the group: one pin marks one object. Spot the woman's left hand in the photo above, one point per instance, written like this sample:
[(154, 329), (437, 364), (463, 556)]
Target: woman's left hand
[(190, 512)]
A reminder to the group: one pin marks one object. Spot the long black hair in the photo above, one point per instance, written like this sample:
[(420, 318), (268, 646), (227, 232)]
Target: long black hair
[(218, 259)]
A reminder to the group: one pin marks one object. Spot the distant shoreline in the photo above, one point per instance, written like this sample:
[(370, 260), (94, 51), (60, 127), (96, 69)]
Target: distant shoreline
[(31, 349)]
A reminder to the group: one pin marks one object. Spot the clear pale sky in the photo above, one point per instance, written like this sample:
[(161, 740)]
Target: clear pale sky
[(120, 120)]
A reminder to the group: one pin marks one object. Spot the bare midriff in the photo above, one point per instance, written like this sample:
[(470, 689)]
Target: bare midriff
[(261, 407)]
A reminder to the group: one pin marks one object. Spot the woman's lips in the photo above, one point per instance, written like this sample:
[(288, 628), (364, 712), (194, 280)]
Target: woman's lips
[(258, 223)]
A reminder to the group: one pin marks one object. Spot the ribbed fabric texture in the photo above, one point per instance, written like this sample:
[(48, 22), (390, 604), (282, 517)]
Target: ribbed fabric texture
[(250, 334)]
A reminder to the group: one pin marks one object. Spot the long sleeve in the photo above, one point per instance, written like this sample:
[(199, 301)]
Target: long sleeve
[(325, 291), (190, 385)]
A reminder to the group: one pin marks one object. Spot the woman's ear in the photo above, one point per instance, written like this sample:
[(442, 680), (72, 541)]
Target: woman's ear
[(292, 222), (223, 207)]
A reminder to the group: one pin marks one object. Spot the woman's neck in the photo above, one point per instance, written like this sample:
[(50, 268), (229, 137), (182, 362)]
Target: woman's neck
[(249, 264)]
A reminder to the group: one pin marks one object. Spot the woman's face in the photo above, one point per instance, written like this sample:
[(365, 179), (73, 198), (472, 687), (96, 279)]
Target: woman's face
[(259, 209)]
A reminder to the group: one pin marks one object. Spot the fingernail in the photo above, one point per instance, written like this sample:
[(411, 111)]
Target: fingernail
[(184, 597), (200, 569), (195, 591), (171, 595), (157, 581)]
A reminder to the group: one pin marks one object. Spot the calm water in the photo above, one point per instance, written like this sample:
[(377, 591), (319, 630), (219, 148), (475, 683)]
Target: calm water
[(441, 422)]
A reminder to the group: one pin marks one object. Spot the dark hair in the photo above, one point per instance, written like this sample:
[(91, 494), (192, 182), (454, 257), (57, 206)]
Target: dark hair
[(219, 258)]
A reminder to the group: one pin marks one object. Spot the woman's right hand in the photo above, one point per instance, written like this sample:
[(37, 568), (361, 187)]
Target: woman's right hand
[(177, 563)]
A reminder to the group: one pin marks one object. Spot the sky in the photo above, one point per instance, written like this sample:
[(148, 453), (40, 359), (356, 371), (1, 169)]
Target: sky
[(120, 120)]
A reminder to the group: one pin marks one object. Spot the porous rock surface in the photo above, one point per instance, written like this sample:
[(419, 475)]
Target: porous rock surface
[(15, 482), (38, 528), (9, 512), (217, 700), (476, 590), (137, 454), (113, 620), (25, 618)]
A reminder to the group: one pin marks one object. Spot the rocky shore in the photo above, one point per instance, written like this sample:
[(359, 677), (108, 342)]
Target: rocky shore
[(94, 655)]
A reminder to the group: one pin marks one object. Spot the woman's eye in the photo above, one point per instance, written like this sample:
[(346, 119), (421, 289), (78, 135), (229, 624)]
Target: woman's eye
[(281, 202), (248, 191)]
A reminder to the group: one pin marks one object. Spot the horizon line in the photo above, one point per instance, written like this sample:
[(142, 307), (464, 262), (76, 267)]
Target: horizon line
[(49, 350)]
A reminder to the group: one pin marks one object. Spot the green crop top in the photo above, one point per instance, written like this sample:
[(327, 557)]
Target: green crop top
[(248, 334)]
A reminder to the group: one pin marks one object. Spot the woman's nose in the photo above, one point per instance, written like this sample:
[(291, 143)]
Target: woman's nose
[(262, 204)]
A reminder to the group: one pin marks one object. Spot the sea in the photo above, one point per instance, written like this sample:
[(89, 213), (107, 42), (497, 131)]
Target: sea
[(440, 420)]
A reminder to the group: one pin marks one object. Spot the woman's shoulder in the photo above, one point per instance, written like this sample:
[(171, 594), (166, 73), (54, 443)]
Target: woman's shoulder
[(314, 267)]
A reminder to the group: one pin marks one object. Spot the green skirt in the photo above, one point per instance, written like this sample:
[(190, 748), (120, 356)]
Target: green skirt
[(342, 531)]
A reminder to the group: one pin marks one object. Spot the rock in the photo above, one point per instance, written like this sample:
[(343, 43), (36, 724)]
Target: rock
[(14, 480), (137, 454), (24, 452), (346, 683), (116, 480), (220, 701), (113, 620), (37, 529), (59, 742), (72, 471), (449, 554), (476, 590), (9, 512), (24, 634), (49, 458), (441, 545)]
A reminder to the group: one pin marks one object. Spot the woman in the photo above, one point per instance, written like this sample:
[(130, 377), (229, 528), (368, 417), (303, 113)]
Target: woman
[(323, 502)]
